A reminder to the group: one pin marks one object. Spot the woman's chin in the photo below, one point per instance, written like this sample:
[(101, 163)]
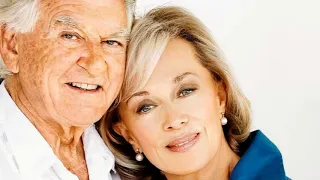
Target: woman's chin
[(186, 168), (189, 161)]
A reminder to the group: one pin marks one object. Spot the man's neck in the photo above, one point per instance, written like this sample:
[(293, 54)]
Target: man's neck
[(64, 140)]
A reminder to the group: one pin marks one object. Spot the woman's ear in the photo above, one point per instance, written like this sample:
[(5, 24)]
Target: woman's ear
[(222, 96), (122, 130), (9, 48)]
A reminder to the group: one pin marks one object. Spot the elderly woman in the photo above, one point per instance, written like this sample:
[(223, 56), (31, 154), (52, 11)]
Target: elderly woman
[(181, 109)]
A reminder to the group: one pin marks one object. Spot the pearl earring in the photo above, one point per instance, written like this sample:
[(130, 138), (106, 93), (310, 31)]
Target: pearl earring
[(224, 120), (139, 155)]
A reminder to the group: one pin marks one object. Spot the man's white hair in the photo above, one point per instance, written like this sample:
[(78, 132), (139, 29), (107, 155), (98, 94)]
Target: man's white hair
[(22, 15)]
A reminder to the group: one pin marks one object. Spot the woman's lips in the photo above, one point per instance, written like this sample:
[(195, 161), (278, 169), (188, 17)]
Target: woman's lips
[(184, 143)]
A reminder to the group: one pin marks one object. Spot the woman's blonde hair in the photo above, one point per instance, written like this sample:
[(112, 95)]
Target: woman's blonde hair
[(149, 37)]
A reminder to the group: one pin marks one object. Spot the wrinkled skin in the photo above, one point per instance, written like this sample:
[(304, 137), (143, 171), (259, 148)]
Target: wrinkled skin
[(72, 42)]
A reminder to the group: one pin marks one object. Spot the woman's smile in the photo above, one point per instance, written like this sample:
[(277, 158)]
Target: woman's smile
[(184, 143)]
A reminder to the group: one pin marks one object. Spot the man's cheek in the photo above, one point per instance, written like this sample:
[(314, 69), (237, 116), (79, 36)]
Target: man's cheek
[(117, 71)]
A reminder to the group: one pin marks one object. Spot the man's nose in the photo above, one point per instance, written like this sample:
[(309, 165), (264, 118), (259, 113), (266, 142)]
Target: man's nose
[(94, 60)]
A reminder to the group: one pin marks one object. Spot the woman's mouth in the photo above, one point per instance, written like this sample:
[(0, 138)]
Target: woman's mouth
[(183, 143)]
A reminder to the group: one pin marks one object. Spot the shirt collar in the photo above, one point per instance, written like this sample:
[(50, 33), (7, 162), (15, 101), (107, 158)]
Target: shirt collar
[(260, 159), (96, 150), (31, 152)]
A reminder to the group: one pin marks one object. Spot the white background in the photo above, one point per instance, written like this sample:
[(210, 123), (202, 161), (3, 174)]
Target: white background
[(273, 48)]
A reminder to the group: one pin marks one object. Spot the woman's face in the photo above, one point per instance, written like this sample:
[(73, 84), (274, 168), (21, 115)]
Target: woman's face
[(175, 119)]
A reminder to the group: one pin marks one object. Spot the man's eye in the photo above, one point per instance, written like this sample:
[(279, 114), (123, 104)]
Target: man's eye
[(186, 92), (113, 43), (70, 36), (145, 109)]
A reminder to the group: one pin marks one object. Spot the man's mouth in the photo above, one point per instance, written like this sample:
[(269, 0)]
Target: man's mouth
[(83, 86)]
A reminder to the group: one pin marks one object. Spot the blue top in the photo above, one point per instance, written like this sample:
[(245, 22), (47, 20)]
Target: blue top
[(260, 160)]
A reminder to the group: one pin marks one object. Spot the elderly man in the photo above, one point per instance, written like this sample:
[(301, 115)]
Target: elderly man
[(64, 61)]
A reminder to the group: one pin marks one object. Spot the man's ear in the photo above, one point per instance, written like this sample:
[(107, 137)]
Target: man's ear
[(9, 48), (222, 96)]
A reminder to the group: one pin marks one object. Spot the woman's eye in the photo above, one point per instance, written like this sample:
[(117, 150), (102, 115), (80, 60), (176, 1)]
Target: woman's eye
[(113, 43), (70, 36), (145, 108), (186, 92)]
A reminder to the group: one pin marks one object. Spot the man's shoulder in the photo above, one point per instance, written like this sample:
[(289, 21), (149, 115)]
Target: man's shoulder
[(8, 170)]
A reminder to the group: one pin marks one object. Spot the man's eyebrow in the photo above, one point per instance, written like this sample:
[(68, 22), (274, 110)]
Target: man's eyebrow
[(124, 33), (67, 21), (181, 77)]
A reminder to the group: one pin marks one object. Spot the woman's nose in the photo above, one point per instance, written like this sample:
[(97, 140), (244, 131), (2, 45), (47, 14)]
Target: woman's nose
[(174, 122)]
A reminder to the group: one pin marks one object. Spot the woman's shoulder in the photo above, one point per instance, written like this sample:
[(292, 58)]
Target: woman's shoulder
[(260, 159)]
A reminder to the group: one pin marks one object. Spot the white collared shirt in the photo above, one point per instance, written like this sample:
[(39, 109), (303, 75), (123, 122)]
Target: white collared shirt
[(25, 155)]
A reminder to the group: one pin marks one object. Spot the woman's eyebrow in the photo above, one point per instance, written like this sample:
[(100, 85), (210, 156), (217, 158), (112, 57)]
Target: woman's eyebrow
[(141, 93), (181, 77), (175, 81)]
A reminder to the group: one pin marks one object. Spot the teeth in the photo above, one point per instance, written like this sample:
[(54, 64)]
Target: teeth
[(181, 144), (84, 86), (91, 87)]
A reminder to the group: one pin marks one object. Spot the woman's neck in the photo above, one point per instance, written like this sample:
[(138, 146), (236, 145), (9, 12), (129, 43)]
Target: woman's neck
[(219, 167)]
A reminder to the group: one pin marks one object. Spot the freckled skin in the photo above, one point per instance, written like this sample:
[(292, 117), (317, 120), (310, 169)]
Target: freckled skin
[(47, 60), (53, 62)]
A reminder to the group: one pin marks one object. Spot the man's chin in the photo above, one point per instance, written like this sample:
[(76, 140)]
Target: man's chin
[(81, 119)]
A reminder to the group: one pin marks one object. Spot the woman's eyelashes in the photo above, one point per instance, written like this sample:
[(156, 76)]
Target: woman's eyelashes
[(143, 109), (186, 91), (146, 106)]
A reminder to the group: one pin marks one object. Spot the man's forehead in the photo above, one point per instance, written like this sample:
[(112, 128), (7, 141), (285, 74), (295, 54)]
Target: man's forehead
[(71, 11), (98, 8), (94, 2)]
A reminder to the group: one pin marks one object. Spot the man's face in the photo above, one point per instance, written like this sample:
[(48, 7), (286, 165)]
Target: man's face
[(71, 66)]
